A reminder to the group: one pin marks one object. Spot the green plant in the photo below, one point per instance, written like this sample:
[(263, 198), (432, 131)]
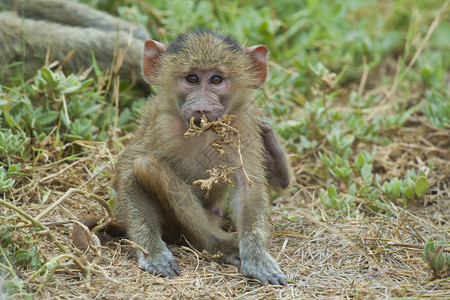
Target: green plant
[(12, 144), (82, 129), (73, 107), (27, 254), (18, 248), (29, 258), (6, 180), (433, 254), (337, 166), (15, 286), (341, 205), (437, 109), (340, 142), (413, 187), (133, 14)]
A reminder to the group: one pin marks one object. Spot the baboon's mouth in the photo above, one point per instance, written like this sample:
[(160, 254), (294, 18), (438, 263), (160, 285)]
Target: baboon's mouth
[(198, 122)]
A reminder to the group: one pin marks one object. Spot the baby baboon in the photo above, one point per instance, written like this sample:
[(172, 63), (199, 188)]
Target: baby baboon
[(200, 74)]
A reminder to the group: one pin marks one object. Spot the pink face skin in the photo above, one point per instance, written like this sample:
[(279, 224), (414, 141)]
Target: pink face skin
[(203, 93)]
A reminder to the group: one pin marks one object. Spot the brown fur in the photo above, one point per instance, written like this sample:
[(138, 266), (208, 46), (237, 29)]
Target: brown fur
[(156, 199)]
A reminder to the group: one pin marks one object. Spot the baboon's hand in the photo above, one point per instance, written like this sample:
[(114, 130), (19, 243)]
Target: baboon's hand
[(160, 263), (263, 267), (276, 162)]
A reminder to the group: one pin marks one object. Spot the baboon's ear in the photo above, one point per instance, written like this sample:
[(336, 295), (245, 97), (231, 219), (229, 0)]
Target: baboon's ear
[(259, 57), (152, 51)]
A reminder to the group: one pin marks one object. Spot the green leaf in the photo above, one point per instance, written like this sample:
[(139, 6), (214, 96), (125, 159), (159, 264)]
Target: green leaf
[(15, 285), (352, 190), (125, 116), (47, 117), (421, 187), (14, 168), (290, 217), (305, 143), (64, 119), (10, 120), (396, 188), (332, 193), (72, 89), (364, 189), (409, 193), (359, 161), (429, 247), (366, 170), (22, 255), (439, 259), (322, 197), (87, 83), (48, 75), (33, 251)]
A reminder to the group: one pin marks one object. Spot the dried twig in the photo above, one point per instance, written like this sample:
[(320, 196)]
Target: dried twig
[(222, 128)]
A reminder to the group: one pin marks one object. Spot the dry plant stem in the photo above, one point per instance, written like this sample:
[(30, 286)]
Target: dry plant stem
[(195, 253), (113, 65), (221, 174), (102, 202), (433, 26), (66, 59), (59, 223), (45, 266), (118, 58), (221, 127), (116, 102), (135, 246), (55, 174), (117, 65), (47, 55), (100, 170), (36, 223), (122, 52), (66, 111), (400, 225), (364, 76), (9, 267)]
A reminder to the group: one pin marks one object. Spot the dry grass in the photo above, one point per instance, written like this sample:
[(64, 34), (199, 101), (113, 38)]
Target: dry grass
[(375, 257)]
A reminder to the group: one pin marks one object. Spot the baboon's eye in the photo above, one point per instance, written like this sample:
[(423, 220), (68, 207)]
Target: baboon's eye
[(192, 78), (216, 79)]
